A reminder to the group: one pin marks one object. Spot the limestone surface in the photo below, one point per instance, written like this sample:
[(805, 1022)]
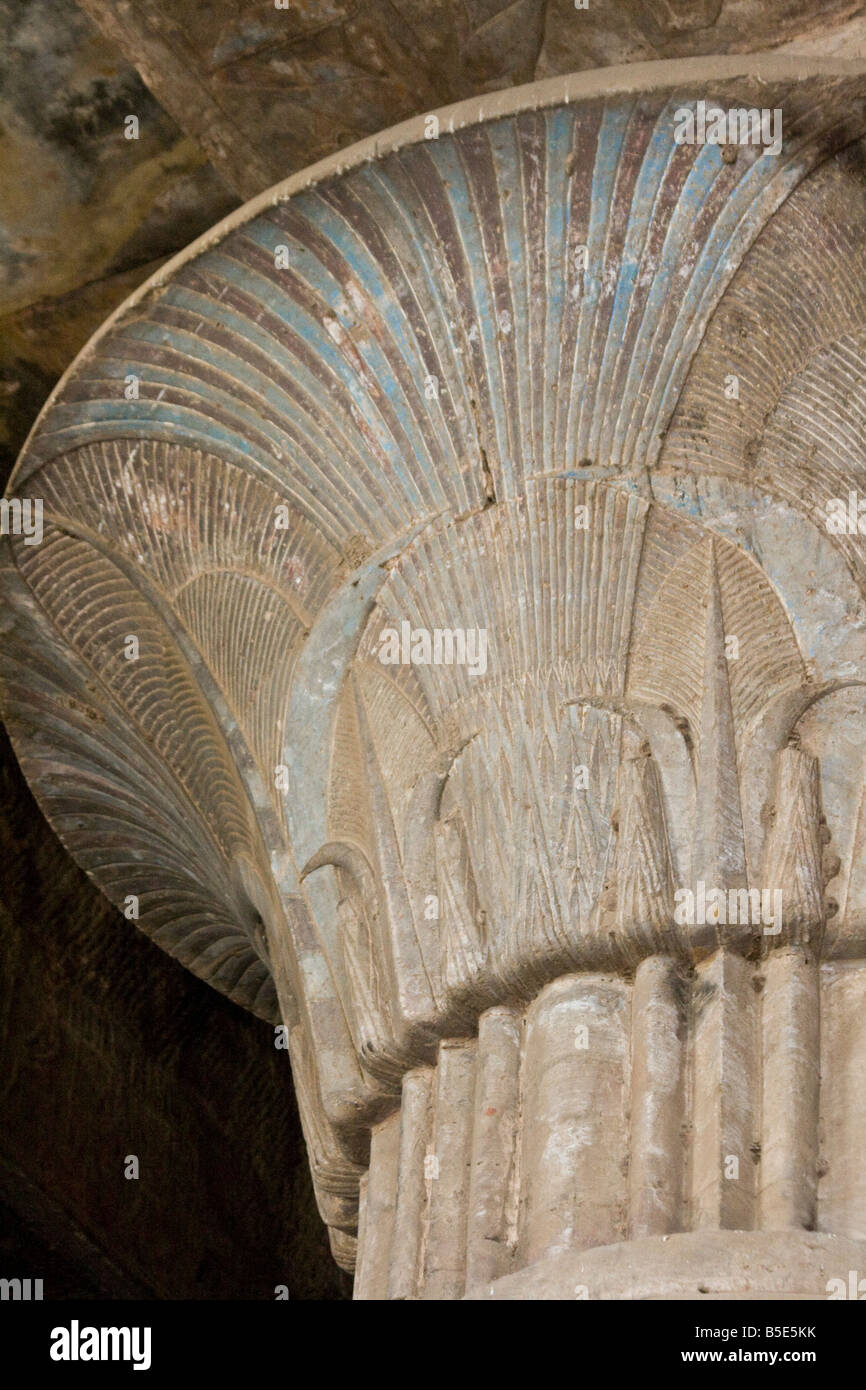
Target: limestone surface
[(436, 600)]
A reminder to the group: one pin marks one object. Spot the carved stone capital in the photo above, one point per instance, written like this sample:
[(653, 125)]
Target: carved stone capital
[(439, 633)]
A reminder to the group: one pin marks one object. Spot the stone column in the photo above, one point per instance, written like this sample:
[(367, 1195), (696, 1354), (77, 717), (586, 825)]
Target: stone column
[(450, 650)]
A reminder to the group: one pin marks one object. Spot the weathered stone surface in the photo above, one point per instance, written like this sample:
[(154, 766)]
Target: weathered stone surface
[(711, 1265), (261, 91), (78, 198), (549, 377), (85, 214), (109, 1048), (267, 88)]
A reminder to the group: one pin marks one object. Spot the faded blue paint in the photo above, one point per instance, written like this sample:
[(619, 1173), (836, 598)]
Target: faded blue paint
[(644, 213), (611, 135), (760, 190), (444, 154), (319, 341), (423, 265), (381, 379), (559, 130), (195, 348)]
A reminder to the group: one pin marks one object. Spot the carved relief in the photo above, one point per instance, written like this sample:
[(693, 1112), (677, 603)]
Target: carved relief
[(479, 708)]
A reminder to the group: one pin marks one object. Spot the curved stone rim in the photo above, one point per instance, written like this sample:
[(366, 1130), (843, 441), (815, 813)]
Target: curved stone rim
[(618, 80)]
